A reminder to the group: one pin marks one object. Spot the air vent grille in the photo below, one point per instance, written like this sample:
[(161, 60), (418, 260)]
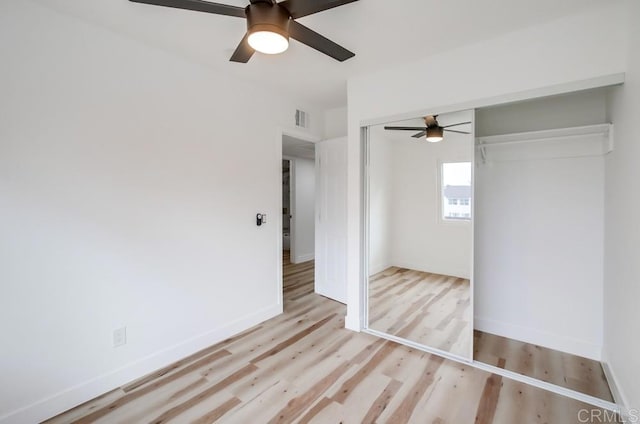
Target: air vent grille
[(302, 119)]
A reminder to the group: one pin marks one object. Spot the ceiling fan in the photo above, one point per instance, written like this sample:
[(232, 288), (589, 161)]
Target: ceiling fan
[(269, 24), (433, 130)]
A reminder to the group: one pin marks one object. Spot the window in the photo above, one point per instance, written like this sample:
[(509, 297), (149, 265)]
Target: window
[(456, 191)]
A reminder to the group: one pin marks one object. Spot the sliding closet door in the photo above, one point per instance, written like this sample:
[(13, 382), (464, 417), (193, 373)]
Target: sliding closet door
[(420, 232)]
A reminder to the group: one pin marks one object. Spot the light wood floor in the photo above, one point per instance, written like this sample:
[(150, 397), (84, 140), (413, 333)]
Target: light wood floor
[(431, 309), (563, 369), (303, 366)]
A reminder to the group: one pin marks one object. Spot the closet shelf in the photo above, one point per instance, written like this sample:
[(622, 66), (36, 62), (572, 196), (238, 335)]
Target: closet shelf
[(589, 140)]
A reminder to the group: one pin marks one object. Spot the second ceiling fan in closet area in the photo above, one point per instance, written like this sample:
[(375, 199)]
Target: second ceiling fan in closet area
[(433, 131)]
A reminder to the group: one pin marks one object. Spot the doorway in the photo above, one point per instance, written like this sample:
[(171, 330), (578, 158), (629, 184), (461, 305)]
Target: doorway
[(298, 217), (286, 207)]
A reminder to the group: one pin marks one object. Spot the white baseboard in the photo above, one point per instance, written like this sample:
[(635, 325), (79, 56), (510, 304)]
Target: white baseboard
[(303, 258), (432, 268), (614, 384), (540, 338), (76, 395)]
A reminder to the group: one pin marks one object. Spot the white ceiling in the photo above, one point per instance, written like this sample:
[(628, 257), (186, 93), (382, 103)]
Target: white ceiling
[(380, 32)]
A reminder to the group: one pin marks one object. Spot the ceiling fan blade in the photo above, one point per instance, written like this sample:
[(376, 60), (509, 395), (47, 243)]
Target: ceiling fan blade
[(459, 132), (313, 39), (455, 125), (406, 128), (299, 8), (198, 6), (420, 134), (243, 52)]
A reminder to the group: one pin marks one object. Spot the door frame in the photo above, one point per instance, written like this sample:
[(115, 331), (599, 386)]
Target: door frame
[(292, 202)]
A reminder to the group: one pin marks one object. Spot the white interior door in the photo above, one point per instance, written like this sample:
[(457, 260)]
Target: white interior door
[(331, 219)]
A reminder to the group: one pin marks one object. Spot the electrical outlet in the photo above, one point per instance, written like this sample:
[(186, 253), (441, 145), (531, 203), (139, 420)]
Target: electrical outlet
[(120, 337)]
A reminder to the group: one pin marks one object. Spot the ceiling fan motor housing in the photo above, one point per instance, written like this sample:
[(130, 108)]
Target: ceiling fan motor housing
[(266, 16)]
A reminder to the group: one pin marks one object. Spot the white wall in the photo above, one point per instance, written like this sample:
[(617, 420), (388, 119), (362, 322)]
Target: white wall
[(405, 225), (129, 184), (539, 250), (551, 54), (540, 229), (335, 122), (562, 111), (380, 200), (304, 198), (622, 231), (420, 239)]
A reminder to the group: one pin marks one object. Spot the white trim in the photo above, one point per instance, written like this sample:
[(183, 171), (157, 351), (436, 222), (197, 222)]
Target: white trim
[(472, 221), (411, 343), (552, 90), (616, 389), (540, 338), (279, 232), (357, 322), (297, 133), (303, 258), (292, 206), (76, 395), (563, 391)]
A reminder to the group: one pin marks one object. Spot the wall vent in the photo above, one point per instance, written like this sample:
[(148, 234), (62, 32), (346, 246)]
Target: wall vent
[(302, 119)]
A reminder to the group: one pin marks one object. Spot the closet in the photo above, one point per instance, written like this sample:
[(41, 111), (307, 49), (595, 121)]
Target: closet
[(500, 266)]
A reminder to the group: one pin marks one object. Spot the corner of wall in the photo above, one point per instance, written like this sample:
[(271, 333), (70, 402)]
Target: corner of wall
[(335, 122), (351, 323), (617, 391)]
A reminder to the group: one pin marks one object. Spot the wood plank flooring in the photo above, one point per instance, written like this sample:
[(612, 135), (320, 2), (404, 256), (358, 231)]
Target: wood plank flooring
[(304, 367), (430, 309), (560, 368)]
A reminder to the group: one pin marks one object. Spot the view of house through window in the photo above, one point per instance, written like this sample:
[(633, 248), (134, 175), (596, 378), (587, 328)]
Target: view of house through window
[(456, 190)]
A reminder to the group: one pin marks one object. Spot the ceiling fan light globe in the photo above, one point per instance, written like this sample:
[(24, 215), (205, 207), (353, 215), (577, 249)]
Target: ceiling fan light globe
[(435, 134), (268, 42)]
